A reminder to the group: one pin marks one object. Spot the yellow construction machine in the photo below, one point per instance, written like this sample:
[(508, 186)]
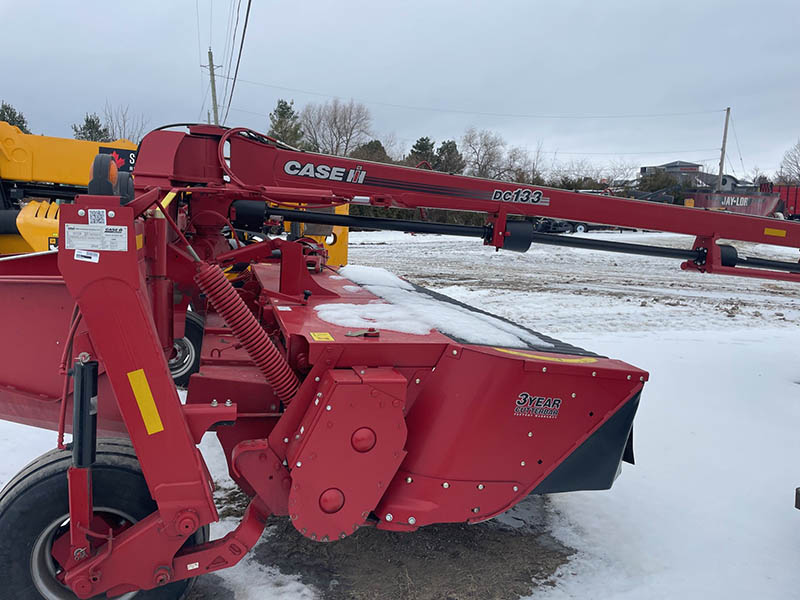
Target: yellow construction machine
[(38, 172)]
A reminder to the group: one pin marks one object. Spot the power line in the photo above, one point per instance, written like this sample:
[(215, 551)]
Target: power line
[(228, 23), (483, 113), (238, 60), (203, 105), (230, 54), (633, 153), (736, 137), (555, 152), (199, 50)]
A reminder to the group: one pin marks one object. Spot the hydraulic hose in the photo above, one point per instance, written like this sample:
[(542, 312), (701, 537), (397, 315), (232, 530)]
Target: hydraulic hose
[(227, 302)]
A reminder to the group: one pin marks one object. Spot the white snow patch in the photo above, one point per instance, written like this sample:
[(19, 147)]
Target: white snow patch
[(410, 311), (353, 288), (374, 276)]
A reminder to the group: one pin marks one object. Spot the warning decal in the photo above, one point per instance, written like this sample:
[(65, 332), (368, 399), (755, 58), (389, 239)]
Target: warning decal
[(96, 237), (321, 336)]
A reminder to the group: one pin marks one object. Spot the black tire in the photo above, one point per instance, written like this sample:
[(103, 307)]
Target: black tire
[(34, 505), (187, 358), (580, 227)]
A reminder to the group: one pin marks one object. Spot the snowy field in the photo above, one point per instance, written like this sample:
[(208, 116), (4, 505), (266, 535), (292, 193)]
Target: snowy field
[(707, 511)]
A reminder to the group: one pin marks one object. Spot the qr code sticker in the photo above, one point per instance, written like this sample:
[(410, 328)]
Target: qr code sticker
[(97, 216)]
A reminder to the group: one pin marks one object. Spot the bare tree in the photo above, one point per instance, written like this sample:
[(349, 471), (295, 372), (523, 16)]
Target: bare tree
[(757, 176), (485, 153), (619, 170), (123, 125), (335, 127), (578, 173), (789, 171)]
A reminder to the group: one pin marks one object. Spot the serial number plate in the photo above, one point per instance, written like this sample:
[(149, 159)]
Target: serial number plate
[(96, 237)]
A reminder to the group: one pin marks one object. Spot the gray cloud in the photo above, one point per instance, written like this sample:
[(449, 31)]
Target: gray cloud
[(567, 58)]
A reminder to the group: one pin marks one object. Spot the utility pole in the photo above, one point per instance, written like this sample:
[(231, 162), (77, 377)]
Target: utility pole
[(724, 143), (214, 88)]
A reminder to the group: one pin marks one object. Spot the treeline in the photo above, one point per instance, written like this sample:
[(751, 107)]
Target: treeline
[(117, 122), (345, 129)]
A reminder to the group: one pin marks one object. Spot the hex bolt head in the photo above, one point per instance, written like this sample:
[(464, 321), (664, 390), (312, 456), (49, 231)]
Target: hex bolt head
[(455, 352), (299, 464), (79, 554), (641, 377), (574, 394), (81, 212), (409, 480), (112, 214), (319, 394), (522, 463), (416, 380), (515, 488), (329, 407), (480, 486), (594, 373), (214, 402), (476, 509), (228, 402), (163, 576), (316, 401), (544, 369), (445, 485), (530, 434), (411, 520), (285, 440), (388, 517), (316, 379)]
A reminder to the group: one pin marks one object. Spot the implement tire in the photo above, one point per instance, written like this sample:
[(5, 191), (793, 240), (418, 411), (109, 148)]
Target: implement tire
[(34, 509)]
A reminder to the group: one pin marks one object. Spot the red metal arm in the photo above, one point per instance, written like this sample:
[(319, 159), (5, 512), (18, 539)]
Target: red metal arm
[(262, 167)]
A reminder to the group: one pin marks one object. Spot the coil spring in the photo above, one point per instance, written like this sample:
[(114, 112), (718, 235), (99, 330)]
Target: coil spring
[(227, 302)]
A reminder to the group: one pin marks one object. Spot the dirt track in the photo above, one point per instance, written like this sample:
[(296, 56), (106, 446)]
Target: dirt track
[(496, 560)]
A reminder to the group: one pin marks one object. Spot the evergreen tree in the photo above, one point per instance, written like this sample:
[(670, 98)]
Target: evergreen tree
[(284, 123), (448, 159), (422, 150), (373, 151), (92, 129), (12, 116)]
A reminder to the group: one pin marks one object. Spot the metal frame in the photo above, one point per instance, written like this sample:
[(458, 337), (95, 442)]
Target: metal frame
[(369, 436)]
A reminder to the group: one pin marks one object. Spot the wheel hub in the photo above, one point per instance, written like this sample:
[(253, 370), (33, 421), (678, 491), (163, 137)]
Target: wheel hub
[(183, 356), (46, 571)]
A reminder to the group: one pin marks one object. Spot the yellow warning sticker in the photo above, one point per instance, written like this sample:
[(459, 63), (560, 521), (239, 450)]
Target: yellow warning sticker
[(139, 241), (774, 232), (321, 336), (578, 360), (144, 398)]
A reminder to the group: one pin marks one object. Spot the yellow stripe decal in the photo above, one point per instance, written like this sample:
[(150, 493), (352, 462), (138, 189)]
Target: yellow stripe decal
[(774, 232), (168, 199), (576, 361), (144, 398), (139, 241)]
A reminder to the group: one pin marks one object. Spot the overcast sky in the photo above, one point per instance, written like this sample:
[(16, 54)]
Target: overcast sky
[(433, 68)]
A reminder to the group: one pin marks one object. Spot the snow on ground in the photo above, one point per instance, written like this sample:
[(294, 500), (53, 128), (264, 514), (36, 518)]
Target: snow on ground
[(707, 511)]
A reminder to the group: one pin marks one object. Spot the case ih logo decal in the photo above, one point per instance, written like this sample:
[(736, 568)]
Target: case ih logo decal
[(522, 196), (537, 406), (323, 171)]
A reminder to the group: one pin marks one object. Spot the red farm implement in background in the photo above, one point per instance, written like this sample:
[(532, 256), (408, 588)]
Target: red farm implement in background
[(789, 198), (438, 413)]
